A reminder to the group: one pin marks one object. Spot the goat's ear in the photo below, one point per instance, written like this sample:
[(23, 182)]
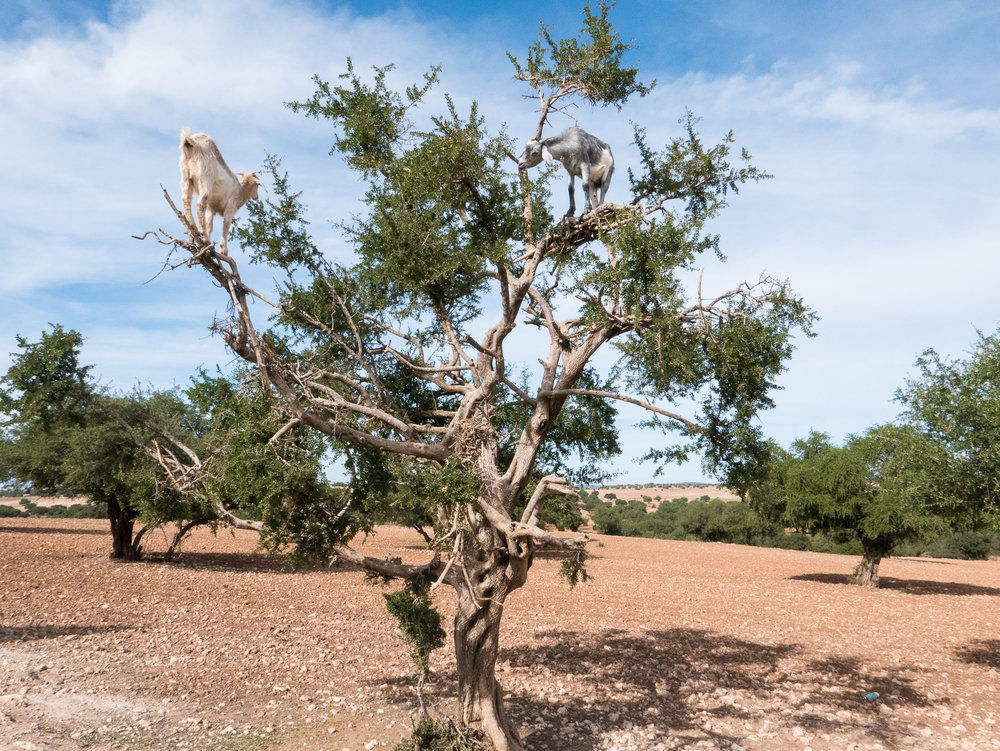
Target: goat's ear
[(547, 155)]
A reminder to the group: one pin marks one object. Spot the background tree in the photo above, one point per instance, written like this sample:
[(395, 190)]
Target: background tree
[(956, 405), (877, 486), (407, 359), (207, 455), (64, 436)]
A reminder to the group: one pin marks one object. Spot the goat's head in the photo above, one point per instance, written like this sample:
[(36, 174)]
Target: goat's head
[(250, 183), (534, 152)]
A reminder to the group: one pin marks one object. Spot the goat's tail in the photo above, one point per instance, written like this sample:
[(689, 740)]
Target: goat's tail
[(186, 142)]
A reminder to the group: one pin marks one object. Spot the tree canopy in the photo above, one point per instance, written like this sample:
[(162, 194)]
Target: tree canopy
[(66, 436), (956, 404), (878, 486)]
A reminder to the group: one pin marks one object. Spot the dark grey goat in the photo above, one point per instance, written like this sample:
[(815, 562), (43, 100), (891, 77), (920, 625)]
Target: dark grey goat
[(583, 156)]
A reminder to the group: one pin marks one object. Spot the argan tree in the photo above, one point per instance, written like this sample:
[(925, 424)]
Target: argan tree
[(955, 403), (65, 435), (879, 487), (153, 458), (465, 339)]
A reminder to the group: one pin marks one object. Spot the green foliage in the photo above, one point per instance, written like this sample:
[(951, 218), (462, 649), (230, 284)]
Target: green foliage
[(419, 623), (705, 520), (561, 512), (956, 405), (440, 735), (446, 223), (9, 512), (878, 487), (45, 383), (593, 68), (574, 568), (65, 436), (373, 119), (398, 490), (281, 482), (700, 520)]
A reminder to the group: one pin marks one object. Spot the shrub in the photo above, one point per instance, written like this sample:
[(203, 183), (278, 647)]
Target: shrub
[(788, 541), (440, 735), (967, 545), (87, 511), (10, 512), (419, 623)]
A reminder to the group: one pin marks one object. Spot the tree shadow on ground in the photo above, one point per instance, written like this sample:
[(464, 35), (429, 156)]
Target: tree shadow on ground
[(34, 633), (694, 686), (684, 686), (910, 586), (239, 562), (53, 530), (981, 652)]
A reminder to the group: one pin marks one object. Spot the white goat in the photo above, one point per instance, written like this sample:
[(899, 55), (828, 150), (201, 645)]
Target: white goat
[(205, 172), (582, 155)]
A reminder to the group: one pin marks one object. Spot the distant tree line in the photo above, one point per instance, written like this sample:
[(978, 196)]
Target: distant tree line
[(714, 520), (56, 511)]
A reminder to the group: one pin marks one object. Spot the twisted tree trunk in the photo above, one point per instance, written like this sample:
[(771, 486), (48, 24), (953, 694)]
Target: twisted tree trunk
[(866, 573), (125, 545), (477, 643), (477, 635)]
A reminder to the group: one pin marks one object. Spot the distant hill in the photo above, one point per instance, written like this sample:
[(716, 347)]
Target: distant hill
[(658, 493)]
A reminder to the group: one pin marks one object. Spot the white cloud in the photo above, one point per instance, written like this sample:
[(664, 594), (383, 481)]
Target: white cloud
[(882, 212)]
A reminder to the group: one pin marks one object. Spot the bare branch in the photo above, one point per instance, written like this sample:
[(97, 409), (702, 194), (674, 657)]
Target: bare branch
[(385, 566), (236, 521), (548, 486), (622, 397)]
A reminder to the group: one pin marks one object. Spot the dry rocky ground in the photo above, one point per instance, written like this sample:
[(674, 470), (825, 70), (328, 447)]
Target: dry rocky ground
[(672, 645)]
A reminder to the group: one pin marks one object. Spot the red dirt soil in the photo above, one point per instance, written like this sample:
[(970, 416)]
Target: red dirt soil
[(672, 645)]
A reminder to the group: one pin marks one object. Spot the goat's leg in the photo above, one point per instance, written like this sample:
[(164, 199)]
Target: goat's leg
[(200, 208), (186, 203), (207, 217), (223, 241), (592, 195), (572, 200), (605, 183), (588, 188)]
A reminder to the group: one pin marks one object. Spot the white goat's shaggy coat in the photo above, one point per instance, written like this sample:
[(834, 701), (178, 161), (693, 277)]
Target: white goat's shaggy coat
[(220, 192)]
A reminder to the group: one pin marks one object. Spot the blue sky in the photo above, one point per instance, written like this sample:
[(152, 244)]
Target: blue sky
[(879, 120)]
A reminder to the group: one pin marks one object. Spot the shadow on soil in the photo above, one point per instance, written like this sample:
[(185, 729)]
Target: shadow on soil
[(689, 686), (35, 633), (54, 531), (984, 652), (910, 586), (250, 562)]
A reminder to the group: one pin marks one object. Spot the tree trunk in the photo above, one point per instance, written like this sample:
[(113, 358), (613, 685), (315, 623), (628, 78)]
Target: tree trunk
[(124, 546), (496, 566), (182, 529), (477, 639), (866, 573)]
